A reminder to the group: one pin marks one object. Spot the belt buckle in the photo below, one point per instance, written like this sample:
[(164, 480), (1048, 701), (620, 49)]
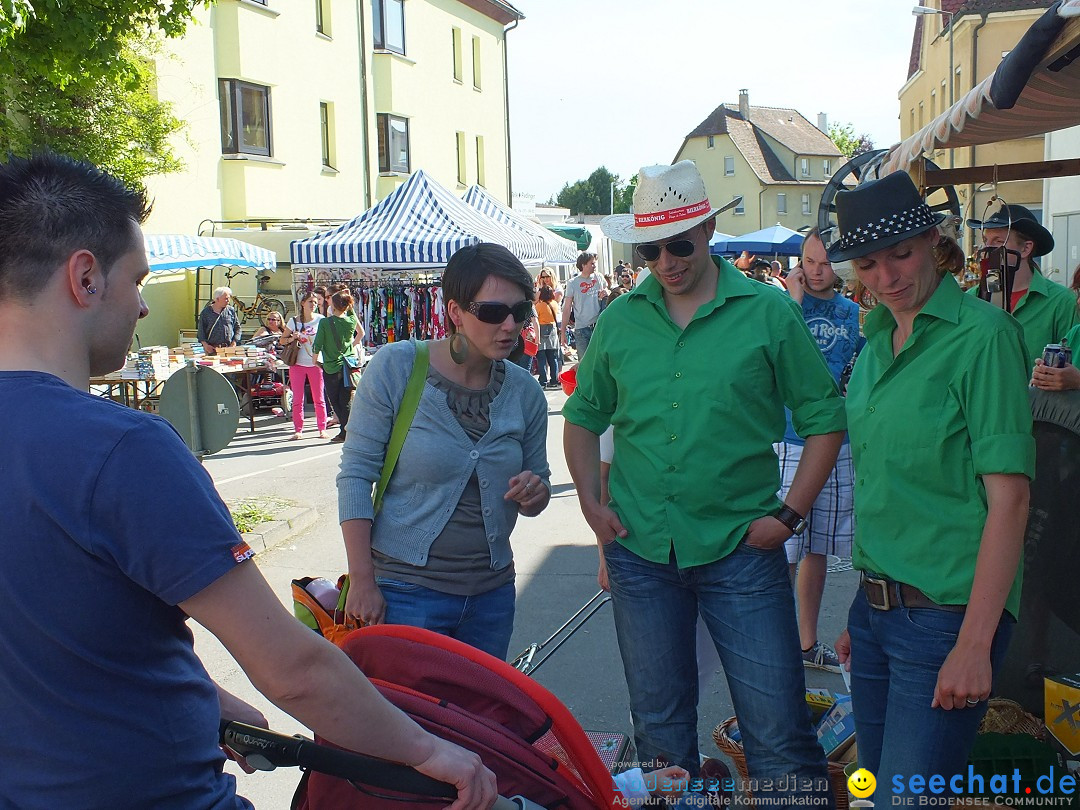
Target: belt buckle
[(886, 602)]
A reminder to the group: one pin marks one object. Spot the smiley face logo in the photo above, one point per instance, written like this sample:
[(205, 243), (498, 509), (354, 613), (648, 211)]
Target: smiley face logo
[(861, 783)]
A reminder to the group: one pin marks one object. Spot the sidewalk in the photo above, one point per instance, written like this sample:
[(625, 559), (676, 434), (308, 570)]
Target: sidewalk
[(555, 558)]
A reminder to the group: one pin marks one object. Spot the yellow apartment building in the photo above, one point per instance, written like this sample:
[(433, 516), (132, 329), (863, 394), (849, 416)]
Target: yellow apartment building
[(771, 156), (981, 32), (317, 110)]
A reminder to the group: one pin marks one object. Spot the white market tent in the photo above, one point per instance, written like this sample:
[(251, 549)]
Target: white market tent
[(165, 252), (417, 227), (557, 249)]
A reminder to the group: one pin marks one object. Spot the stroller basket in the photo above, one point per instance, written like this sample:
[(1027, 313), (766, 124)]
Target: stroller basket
[(520, 730)]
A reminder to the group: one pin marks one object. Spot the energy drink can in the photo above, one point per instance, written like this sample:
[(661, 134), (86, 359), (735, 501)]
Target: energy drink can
[(1055, 355)]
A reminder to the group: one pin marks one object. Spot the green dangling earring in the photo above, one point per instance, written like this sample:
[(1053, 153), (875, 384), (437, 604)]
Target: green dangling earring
[(459, 348)]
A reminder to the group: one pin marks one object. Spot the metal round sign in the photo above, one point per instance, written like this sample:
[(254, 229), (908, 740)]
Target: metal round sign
[(202, 405)]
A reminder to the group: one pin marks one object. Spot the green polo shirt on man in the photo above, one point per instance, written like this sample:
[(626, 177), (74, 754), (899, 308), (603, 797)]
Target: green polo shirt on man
[(697, 410), (924, 426), (1072, 338), (1047, 312)]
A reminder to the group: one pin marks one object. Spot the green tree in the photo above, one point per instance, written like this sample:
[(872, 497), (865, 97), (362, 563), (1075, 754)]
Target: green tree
[(849, 144), (594, 194), (77, 78)]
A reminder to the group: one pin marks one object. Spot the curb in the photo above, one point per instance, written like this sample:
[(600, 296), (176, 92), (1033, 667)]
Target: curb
[(288, 523)]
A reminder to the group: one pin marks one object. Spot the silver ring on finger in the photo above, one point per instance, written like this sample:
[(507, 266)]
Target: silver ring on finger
[(972, 702)]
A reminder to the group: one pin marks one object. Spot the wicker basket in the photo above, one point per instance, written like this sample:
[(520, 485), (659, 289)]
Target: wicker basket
[(1005, 716), (722, 738)]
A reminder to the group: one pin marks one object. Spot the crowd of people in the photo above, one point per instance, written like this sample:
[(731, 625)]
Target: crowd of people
[(727, 479)]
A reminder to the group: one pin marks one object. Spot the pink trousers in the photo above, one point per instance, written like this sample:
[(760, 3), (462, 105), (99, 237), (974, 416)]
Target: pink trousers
[(314, 378)]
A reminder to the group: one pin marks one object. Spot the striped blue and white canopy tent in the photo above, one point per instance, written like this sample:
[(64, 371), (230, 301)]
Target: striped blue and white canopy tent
[(417, 227), (557, 249), (166, 252)]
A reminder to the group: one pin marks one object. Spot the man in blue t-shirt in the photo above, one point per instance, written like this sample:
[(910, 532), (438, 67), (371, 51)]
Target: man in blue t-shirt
[(114, 535), (834, 322)]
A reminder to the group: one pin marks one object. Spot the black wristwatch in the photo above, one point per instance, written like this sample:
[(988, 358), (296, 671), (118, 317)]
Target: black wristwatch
[(792, 519)]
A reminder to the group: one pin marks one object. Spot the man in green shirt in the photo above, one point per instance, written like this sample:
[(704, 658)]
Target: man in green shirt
[(1047, 310), (693, 369)]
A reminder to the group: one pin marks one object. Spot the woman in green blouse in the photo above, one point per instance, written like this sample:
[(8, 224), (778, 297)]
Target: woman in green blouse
[(336, 338), (940, 431)]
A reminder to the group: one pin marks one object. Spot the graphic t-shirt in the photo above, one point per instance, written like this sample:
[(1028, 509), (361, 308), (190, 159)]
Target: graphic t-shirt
[(584, 292), (834, 323), (109, 523)]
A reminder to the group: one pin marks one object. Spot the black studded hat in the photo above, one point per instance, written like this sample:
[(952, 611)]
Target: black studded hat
[(879, 214), (1022, 221)]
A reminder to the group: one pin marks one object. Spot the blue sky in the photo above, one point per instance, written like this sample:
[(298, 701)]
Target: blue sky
[(620, 82)]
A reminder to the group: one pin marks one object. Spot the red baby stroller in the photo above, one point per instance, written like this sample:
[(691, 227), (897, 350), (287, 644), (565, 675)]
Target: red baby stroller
[(521, 731)]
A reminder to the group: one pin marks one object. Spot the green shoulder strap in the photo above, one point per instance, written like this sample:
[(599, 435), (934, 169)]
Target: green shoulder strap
[(413, 389)]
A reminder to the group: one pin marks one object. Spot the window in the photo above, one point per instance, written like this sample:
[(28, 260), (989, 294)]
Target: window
[(710, 142), (781, 203), (325, 131), (739, 208), (481, 175), (729, 166), (806, 204), (827, 166), (920, 115), (393, 143), (459, 137), (455, 35), (322, 17), (389, 18), (476, 72), (933, 104), (804, 166), (245, 118)]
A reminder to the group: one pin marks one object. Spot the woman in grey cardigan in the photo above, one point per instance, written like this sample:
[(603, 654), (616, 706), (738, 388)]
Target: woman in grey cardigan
[(438, 553)]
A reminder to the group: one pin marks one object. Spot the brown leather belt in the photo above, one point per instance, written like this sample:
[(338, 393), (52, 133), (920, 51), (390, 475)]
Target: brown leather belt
[(883, 594)]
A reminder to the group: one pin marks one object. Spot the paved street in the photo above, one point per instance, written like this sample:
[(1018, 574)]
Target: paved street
[(556, 565)]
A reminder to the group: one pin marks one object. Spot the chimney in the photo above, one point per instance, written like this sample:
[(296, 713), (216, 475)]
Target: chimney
[(823, 122), (744, 104)]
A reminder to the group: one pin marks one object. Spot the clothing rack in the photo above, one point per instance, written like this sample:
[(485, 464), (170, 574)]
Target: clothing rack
[(391, 305)]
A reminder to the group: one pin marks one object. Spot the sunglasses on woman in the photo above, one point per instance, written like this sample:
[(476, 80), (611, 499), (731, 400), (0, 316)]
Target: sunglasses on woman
[(680, 248), (496, 312)]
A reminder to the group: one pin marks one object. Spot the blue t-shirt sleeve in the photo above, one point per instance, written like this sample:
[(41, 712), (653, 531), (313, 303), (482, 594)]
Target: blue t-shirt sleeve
[(155, 514)]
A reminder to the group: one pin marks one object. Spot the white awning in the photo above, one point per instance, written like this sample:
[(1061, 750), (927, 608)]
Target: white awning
[(1035, 89), (178, 252)]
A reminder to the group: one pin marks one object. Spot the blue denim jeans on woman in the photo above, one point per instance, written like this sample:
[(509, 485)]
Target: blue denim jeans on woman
[(895, 659), (484, 621), (746, 602)]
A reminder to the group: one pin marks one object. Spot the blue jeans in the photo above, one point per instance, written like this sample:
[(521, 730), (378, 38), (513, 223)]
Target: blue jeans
[(582, 336), (895, 658), (547, 364), (746, 602), (484, 621)]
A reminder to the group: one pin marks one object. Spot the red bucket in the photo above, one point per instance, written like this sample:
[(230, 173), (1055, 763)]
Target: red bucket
[(568, 379)]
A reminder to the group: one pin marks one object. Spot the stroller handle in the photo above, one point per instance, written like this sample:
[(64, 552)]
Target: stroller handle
[(265, 750)]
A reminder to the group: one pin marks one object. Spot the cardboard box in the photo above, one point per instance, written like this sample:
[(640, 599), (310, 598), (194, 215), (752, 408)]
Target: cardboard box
[(1061, 710), (837, 728)]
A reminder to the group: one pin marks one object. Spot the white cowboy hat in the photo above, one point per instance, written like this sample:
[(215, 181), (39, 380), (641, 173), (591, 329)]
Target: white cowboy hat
[(668, 200)]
